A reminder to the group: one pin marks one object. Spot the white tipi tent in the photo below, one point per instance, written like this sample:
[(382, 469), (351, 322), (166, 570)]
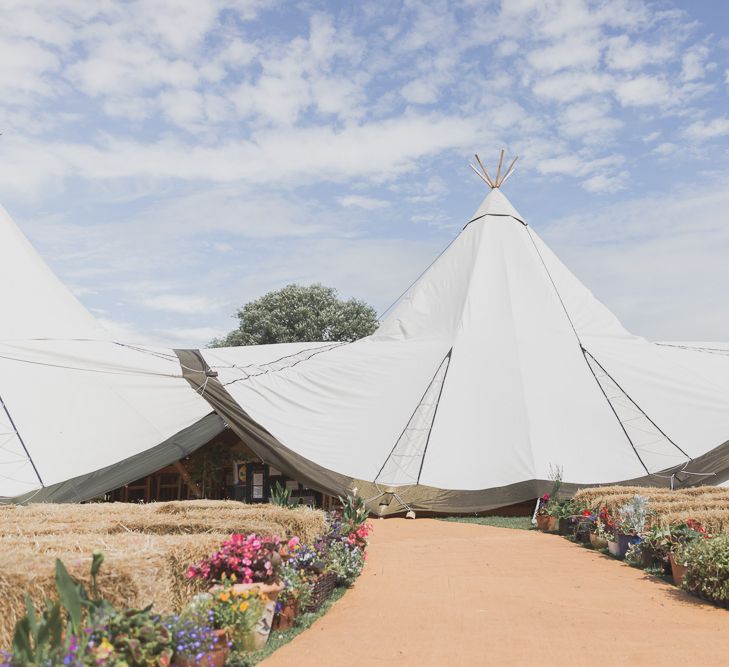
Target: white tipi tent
[(494, 365), (80, 414)]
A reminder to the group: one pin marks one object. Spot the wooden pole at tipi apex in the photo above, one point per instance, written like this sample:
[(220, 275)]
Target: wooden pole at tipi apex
[(509, 171), (498, 171), (486, 173), (481, 176)]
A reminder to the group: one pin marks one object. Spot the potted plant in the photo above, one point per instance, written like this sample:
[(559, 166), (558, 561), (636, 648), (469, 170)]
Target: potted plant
[(546, 522), (197, 639), (707, 572), (655, 548), (246, 569), (604, 532), (682, 536), (632, 518), (240, 611), (295, 592)]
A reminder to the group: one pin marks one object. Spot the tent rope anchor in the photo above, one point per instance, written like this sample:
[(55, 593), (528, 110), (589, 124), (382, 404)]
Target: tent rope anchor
[(500, 179)]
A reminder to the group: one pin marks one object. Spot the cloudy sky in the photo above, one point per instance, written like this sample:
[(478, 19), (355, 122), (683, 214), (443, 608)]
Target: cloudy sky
[(173, 160)]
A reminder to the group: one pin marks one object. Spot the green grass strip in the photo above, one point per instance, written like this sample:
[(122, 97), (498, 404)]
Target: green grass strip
[(516, 522)]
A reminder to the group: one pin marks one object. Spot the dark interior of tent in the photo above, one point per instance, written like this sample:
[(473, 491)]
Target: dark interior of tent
[(222, 469)]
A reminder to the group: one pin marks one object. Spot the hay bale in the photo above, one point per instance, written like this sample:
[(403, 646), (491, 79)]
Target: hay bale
[(138, 569), (148, 547), (714, 520)]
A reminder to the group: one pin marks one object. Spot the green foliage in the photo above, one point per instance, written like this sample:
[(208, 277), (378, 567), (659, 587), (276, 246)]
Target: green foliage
[(561, 508), (633, 516), (300, 314), (708, 567), (296, 585), (346, 562), (38, 640), (555, 475), (657, 541), (354, 512), (129, 638), (139, 638), (44, 638), (280, 495)]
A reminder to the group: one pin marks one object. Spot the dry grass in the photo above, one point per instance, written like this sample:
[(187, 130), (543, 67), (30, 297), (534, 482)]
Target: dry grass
[(707, 504), (613, 497), (714, 520), (147, 547)]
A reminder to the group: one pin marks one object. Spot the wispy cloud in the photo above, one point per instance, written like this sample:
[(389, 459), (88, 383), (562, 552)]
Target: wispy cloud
[(211, 150)]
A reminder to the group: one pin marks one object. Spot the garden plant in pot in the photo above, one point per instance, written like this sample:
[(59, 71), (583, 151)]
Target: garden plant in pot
[(244, 571), (632, 519), (604, 531), (546, 516), (655, 547), (707, 571), (198, 639), (296, 592), (682, 536)]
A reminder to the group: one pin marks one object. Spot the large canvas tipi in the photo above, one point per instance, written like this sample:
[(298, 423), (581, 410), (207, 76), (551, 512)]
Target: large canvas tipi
[(494, 366)]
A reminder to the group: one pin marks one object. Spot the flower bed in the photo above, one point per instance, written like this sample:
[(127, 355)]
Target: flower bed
[(242, 583), (684, 533), (148, 547)]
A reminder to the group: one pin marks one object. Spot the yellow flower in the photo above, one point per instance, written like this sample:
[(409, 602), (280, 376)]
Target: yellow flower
[(233, 577), (243, 606)]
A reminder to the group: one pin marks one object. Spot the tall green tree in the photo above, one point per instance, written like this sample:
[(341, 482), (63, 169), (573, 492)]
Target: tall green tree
[(298, 313)]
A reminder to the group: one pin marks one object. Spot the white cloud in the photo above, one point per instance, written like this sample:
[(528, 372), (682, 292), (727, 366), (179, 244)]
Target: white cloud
[(658, 261), (180, 303), (701, 131), (624, 55), (644, 90), (570, 86), (367, 203), (694, 63), (582, 50), (666, 148)]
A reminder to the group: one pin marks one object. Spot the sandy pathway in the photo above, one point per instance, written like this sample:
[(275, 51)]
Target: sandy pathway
[(441, 593)]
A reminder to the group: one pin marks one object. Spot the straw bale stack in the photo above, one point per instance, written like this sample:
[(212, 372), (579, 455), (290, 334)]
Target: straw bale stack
[(148, 548)]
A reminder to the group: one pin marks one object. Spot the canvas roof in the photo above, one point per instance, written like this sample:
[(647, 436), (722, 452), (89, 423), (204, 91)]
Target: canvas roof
[(496, 365)]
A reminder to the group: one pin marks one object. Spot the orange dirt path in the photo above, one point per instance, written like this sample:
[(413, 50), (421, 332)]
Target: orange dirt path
[(442, 593)]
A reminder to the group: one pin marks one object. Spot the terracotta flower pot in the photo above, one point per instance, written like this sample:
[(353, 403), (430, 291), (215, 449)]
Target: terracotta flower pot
[(546, 523), (215, 658), (258, 636), (678, 570), (286, 616)]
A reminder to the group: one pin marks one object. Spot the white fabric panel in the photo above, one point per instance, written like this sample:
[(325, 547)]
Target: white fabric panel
[(16, 471), (404, 463), (652, 445), (33, 302), (343, 409), (83, 405), (686, 393), (519, 395)]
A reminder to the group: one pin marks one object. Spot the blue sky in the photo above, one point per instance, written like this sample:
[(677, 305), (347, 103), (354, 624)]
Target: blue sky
[(172, 161)]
